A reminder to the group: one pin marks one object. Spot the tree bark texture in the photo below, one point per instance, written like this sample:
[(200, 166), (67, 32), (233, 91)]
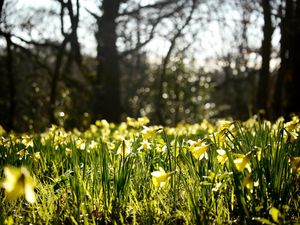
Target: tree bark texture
[(293, 82), (107, 103), (264, 74), (287, 94), (11, 80), (1, 7)]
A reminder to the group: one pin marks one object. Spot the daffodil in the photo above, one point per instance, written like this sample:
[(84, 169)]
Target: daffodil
[(221, 157), (148, 132), (242, 163), (160, 177), (275, 214), (9, 221), (295, 164), (27, 141), (198, 149), (80, 144), (17, 183), (36, 156), (292, 134), (22, 153), (219, 137), (292, 125), (2, 131), (68, 151), (248, 182), (94, 128), (223, 124), (145, 145), (131, 121)]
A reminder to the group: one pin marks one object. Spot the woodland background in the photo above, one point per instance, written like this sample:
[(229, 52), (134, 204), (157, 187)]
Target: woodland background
[(71, 62)]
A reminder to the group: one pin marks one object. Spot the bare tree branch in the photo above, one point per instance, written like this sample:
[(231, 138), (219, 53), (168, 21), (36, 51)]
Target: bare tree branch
[(166, 60)]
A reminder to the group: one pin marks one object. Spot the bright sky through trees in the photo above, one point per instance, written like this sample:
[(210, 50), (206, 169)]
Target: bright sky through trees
[(214, 32)]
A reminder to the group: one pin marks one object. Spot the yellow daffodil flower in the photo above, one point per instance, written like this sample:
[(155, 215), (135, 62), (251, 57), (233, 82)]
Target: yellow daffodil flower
[(18, 182), (295, 164), (2, 131), (292, 134), (242, 163), (248, 182), (292, 125), (22, 153), (9, 221), (221, 157), (223, 124), (143, 121), (148, 132), (93, 128), (68, 151), (275, 214), (198, 149), (219, 137), (160, 177), (145, 145), (36, 156), (27, 141)]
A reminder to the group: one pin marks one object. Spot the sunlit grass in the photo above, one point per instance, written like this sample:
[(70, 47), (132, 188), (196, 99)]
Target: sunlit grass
[(134, 173)]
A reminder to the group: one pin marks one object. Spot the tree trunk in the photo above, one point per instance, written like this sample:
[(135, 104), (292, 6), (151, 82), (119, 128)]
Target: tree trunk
[(293, 81), (71, 38), (263, 85), (278, 105), (107, 103), (55, 80), (11, 80), (1, 7), (286, 93)]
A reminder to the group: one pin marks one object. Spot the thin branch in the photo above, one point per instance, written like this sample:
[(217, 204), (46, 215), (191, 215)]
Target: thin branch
[(151, 35), (157, 5)]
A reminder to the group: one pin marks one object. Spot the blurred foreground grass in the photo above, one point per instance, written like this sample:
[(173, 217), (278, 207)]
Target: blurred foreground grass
[(226, 173)]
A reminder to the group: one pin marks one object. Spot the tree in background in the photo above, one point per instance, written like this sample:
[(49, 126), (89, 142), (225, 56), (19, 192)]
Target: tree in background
[(69, 37), (107, 100), (287, 85), (262, 100), (1, 6)]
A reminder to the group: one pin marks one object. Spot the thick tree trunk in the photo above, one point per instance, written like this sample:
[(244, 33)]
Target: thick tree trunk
[(284, 70), (287, 92), (293, 82), (1, 7), (263, 85), (107, 103), (11, 80)]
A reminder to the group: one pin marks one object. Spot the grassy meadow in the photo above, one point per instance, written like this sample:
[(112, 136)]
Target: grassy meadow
[(229, 172)]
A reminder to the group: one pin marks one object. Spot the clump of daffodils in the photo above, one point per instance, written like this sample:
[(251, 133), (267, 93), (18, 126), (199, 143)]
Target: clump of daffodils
[(17, 183), (142, 121)]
